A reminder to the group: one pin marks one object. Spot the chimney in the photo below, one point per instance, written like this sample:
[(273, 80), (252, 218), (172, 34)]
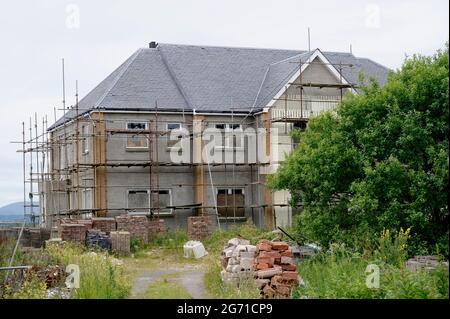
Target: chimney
[(152, 45)]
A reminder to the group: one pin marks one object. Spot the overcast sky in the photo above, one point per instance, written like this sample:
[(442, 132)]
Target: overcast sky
[(94, 38)]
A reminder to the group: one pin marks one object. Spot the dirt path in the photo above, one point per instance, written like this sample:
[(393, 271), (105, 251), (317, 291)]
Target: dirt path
[(188, 276)]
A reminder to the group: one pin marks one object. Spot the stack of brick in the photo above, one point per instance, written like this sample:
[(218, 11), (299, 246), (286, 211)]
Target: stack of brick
[(73, 232), (136, 225), (237, 260), (120, 242), (275, 271), (105, 224), (199, 227), (156, 226)]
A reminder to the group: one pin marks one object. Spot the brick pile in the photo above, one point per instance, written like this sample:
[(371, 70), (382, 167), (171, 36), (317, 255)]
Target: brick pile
[(136, 225), (237, 260), (275, 272), (120, 242), (105, 224), (73, 232), (156, 226), (199, 227)]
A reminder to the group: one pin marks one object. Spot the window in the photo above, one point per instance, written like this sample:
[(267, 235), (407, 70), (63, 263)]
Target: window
[(160, 200), (139, 201), (84, 139), (173, 128), (231, 202), (233, 135), (300, 125), (139, 139), (86, 197)]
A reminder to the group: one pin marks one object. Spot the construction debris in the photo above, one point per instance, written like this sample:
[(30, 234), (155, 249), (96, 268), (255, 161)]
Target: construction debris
[(424, 262), (105, 224), (276, 272), (237, 260), (199, 227)]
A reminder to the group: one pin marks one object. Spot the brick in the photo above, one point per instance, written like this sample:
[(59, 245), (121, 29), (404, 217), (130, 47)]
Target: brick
[(271, 254), (73, 232), (199, 227), (279, 245), (263, 247), (286, 253), (105, 224), (283, 290), (262, 266), (267, 273), (260, 283), (288, 267), (268, 292), (276, 280), (289, 275), (286, 260), (246, 263), (120, 242), (266, 260)]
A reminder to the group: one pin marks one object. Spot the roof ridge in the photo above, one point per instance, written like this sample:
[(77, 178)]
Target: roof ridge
[(117, 78), (227, 47), (175, 80)]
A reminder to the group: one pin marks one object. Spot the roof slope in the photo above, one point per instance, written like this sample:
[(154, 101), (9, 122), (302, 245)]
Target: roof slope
[(205, 78)]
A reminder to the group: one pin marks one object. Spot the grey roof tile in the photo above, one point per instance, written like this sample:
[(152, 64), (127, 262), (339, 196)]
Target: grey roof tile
[(206, 78)]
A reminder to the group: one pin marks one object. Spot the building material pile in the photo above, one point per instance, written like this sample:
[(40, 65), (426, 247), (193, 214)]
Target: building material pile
[(237, 259), (424, 262), (120, 242), (97, 239), (156, 226), (199, 227), (73, 232), (105, 224), (275, 271), (136, 225)]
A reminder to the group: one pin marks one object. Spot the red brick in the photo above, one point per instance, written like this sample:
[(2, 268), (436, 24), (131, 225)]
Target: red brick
[(283, 290), (268, 292), (266, 260), (268, 273), (276, 280), (260, 266), (279, 245), (288, 267), (286, 253), (271, 254), (289, 275), (263, 247)]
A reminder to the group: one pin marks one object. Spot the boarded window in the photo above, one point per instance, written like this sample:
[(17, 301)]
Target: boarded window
[(160, 200), (138, 200), (231, 202), (139, 138)]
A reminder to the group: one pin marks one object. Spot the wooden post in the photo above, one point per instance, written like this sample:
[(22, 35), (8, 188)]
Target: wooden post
[(99, 160), (199, 178)]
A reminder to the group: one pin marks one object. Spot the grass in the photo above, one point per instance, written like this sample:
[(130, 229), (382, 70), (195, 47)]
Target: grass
[(166, 287)]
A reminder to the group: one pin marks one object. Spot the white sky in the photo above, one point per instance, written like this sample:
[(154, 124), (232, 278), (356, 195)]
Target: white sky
[(35, 35)]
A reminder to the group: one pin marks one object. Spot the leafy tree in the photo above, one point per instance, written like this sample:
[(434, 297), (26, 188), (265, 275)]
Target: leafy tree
[(379, 160)]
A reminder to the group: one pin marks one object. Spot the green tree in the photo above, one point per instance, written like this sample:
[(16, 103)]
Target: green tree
[(380, 160)]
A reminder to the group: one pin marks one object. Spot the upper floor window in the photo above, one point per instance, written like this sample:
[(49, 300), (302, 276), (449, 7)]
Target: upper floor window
[(84, 139), (139, 139), (173, 128), (233, 136)]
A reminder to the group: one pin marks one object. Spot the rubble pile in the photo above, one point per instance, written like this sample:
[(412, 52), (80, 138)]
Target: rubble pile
[(275, 272), (237, 259), (199, 227)]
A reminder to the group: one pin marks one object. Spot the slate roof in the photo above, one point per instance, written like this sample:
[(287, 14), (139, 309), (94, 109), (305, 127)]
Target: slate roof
[(206, 78)]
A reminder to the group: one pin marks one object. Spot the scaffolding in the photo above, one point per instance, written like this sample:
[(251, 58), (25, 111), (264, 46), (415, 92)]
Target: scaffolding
[(70, 167)]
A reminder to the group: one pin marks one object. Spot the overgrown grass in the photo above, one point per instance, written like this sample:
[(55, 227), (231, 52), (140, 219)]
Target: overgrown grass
[(99, 277), (341, 273), (166, 287)]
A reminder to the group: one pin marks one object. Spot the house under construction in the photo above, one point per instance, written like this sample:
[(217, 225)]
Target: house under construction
[(180, 130)]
